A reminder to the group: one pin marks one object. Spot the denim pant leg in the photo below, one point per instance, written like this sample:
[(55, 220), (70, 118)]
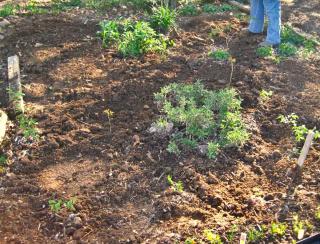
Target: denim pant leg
[(257, 16), (273, 11)]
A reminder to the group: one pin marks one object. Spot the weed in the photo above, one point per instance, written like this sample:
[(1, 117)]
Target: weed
[(3, 160), (264, 52), (55, 205), (255, 235), (232, 233), (28, 126), (163, 19), (176, 186), (299, 227), (265, 96), (220, 55), (202, 117), (212, 237), (214, 9), (70, 204), (190, 241), (109, 114), (278, 229), (188, 10), (299, 131), (287, 49), (7, 10), (317, 213)]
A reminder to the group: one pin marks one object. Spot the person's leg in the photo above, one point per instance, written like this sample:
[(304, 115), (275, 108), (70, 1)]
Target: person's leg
[(256, 16), (273, 11)]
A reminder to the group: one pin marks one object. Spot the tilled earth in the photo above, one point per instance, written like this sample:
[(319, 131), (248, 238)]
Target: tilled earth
[(119, 177)]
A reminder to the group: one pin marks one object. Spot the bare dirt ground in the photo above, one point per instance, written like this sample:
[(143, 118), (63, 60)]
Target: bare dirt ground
[(120, 182)]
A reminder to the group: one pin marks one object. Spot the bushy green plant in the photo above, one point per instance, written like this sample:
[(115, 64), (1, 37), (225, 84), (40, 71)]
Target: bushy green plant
[(214, 9), (278, 229), (70, 204), (255, 235), (212, 237), (220, 55), (55, 205), (132, 38), (287, 49), (264, 52), (202, 116), (163, 18), (28, 126), (7, 10), (188, 10), (265, 96)]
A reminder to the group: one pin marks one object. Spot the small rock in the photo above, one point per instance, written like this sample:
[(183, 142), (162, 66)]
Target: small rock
[(203, 149), (1, 37), (248, 159), (212, 179), (269, 197), (161, 130), (4, 23), (74, 221), (146, 107), (38, 44), (257, 169), (222, 82)]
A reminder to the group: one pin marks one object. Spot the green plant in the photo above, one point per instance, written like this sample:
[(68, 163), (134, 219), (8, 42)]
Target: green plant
[(255, 235), (55, 205), (28, 126), (287, 49), (220, 55), (70, 204), (3, 160), (317, 213), (188, 10), (299, 131), (109, 32), (163, 18), (109, 114), (190, 241), (173, 148), (232, 233), (278, 229), (300, 227), (177, 186), (214, 9), (265, 95), (202, 117), (212, 237), (264, 51), (7, 10), (288, 35)]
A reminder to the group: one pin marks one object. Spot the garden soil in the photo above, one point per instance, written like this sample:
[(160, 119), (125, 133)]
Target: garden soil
[(118, 175)]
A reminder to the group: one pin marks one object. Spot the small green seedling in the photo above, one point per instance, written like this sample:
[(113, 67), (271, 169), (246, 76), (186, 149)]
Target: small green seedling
[(70, 204), (109, 114), (317, 214), (55, 205), (176, 186), (3, 160), (300, 227), (221, 55), (212, 237), (265, 96), (213, 149), (28, 126), (231, 234), (190, 241), (278, 229), (255, 235), (173, 148), (264, 52)]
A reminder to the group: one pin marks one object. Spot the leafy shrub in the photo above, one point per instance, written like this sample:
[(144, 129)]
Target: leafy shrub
[(132, 38), (7, 10), (202, 117), (214, 9), (163, 19), (264, 51), (188, 10), (220, 55), (287, 49)]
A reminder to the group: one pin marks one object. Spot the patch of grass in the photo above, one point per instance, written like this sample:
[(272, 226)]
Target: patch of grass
[(189, 9), (287, 49), (163, 19), (202, 117), (211, 237), (176, 186), (278, 229), (214, 9), (256, 235), (264, 52), (220, 55)]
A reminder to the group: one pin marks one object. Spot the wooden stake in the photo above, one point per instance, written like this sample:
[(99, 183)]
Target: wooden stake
[(3, 124), (305, 149), (15, 89), (242, 7)]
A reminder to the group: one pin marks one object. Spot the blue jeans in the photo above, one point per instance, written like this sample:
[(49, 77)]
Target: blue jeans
[(272, 8)]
